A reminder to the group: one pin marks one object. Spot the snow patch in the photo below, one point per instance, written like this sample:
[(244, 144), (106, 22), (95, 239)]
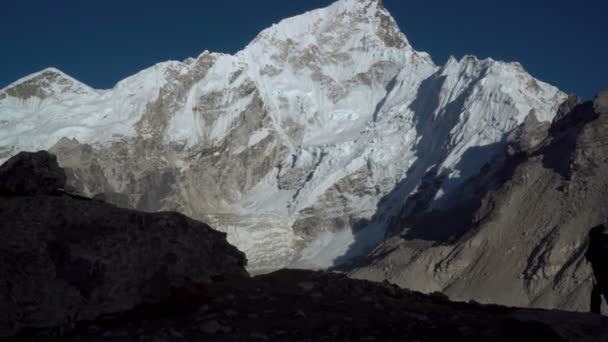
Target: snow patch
[(257, 136)]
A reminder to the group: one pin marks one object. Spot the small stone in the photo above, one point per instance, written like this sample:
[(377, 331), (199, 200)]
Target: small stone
[(211, 327), (203, 309), (175, 334), (253, 315), (259, 336), (306, 286), (316, 294), (465, 330), (367, 338), (230, 313), (418, 316), (94, 329), (300, 313)]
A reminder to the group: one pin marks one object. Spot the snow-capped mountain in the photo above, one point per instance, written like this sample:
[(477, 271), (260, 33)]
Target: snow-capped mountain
[(301, 146)]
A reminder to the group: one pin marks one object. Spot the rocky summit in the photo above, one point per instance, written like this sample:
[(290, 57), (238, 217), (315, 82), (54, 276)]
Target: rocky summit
[(66, 258), (301, 146)]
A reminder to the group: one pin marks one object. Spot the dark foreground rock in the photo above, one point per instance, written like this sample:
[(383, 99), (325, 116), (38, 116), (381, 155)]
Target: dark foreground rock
[(295, 306), (29, 174), (65, 258)]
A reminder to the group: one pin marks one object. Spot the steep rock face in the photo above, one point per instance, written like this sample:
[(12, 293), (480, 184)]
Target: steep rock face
[(65, 258), (302, 146), (521, 239)]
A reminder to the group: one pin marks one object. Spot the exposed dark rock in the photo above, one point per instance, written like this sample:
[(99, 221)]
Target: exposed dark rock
[(66, 258), (29, 174), (115, 198), (600, 103), (529, 135), (567, 106)]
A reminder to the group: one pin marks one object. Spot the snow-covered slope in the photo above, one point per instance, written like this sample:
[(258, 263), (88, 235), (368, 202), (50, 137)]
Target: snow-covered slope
[(301, 146)]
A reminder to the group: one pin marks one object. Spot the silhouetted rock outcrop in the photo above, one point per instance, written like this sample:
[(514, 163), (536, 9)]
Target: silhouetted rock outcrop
[(65, 258), (29, 174)]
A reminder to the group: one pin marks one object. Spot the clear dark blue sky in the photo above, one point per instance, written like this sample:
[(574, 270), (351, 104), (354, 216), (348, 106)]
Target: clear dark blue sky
[(103, 41)]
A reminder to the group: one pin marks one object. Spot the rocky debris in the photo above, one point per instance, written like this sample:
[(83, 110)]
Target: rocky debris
[(283, 312), (30, 174), (521, 238), (67, 258)]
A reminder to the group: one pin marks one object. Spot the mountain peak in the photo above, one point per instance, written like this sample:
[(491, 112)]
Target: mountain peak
[(44, 83), (343, 24)]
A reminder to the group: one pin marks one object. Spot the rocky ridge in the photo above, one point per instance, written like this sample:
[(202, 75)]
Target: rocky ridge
[(291, 305)]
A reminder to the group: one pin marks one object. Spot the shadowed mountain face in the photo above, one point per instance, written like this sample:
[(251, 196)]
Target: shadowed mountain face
[(67, 258), (290, 144), (520, 239)]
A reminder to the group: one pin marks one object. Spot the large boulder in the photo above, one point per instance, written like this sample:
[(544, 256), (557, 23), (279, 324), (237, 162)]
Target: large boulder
[(65, 258), (28, 174)]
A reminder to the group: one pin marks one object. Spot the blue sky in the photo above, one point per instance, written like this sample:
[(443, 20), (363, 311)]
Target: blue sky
[(101, 42)]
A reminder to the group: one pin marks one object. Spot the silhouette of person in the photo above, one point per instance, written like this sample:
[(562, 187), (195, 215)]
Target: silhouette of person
[(597, 255)]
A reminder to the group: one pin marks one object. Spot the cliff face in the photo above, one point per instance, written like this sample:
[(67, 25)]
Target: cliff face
[(66, 258), (521, 238)]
